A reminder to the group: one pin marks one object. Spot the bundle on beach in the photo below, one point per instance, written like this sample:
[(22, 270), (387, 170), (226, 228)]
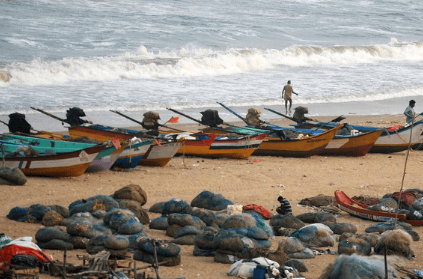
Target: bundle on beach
[(210, 200), (168, 254), (315, 235), (354, 266), (396, 242), (13, 176)]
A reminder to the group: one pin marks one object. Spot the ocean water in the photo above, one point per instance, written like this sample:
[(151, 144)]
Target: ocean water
[(343, 57)]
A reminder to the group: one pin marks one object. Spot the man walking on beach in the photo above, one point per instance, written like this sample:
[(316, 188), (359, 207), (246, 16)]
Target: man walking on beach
[(287, 96), (409, 113)]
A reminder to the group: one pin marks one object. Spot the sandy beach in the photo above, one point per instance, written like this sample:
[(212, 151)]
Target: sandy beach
[(257, 180)]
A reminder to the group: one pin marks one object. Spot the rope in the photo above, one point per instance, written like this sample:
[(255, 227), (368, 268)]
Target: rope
[(396, 132), (403, 177), (130, 148)]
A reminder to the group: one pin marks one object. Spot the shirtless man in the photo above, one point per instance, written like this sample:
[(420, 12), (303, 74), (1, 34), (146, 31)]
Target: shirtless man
[(287, 96)]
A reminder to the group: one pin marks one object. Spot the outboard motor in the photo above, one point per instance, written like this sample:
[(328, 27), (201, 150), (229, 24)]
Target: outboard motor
[(299, 114), (73, 116), (253, 117), (151, 120), (17, 123), (211, 118)]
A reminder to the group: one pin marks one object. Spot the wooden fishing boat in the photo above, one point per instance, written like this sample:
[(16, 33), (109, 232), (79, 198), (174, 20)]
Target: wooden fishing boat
[(214, 146), (103, 161), (132, 154), (61, 165), (389, 141), (299, 147), (360, 210), (352, 145), (160, 154)]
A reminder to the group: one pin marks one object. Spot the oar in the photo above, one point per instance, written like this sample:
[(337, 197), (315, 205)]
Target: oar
[(199, 121), (51, 115), (236, 114), (281, 114), (136, 121), (324, 124)]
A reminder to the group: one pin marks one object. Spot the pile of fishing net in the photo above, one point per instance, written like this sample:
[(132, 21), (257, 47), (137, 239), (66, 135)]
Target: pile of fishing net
[(168, 254), (98, 223), (12, 176)]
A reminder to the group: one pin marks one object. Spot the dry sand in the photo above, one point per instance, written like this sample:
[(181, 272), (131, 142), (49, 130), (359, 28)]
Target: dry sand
[(258, 180)]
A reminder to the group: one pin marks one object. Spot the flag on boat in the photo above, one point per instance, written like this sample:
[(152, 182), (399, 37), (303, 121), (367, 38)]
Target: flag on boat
[(173, 119), (116, 143)]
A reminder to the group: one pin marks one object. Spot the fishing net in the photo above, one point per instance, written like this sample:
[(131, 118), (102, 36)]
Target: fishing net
[(52, 218), (56, 244), (131, 226), (185, 220), (116, 242), (184, 240), (131, 192), (157, 207), (210, 200), (163, 248), (50, 233), (187, 230), (207, 216), (285, 221), (159, 223), (354, 246), (176, 206)]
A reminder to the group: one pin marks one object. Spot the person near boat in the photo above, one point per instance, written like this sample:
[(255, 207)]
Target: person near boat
[(287, 96), (409, 113), (285, 207)]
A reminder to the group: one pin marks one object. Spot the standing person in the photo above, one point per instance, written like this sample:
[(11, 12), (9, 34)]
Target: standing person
[(287, 96), (409, 112), (285, 207)]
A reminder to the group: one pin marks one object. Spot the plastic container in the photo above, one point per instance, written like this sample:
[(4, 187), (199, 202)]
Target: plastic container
[(259, 272)]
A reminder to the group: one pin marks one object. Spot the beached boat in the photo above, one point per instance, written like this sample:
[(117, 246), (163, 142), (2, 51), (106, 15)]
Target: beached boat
[(390, 140), (213, 146), (60, 165), (133, 153), (360, 210), (299, 147), (160, 154), (103, 161)]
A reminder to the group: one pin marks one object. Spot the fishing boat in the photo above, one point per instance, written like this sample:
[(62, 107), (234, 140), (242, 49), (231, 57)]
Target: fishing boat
[(60, 165), (360, 210), (160, 154), (390, 140), (103, 161)]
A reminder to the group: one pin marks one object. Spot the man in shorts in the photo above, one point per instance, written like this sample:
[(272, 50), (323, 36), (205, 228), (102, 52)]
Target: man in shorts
[(409, 113), (287, 96)]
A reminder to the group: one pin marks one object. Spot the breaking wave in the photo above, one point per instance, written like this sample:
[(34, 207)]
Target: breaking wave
[(197, 62)]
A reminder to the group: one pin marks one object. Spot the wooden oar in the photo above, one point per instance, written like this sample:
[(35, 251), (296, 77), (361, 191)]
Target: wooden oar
[(51, 115), (136, 121), (236, 114), (281, 114), (199, 121)]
